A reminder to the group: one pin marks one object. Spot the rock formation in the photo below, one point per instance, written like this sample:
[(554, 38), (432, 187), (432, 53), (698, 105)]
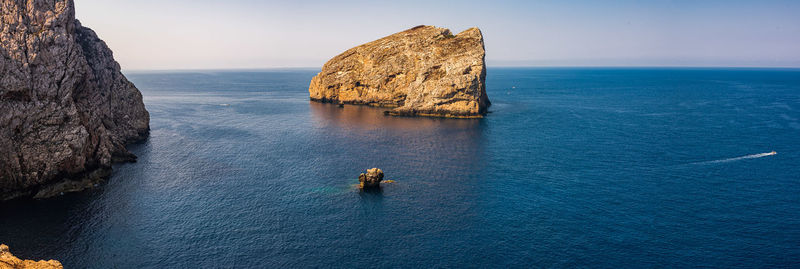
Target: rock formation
[(371, 179), (423, 71), (8, 261), (66, 110)]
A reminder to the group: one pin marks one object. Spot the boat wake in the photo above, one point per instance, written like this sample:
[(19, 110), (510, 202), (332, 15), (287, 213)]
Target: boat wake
[(751, 156)]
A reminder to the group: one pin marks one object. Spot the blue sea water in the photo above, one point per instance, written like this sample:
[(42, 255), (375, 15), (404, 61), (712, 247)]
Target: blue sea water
[(573, 167)]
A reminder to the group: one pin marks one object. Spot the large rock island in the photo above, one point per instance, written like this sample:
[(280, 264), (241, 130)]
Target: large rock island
[(66, 110), (423, 71)]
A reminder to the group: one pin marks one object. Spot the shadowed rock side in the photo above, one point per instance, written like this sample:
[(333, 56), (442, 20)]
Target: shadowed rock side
[(423, 71), (66, 110), (8, 261)]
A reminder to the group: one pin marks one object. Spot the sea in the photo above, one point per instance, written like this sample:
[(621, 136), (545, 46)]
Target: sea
[(572, 167)]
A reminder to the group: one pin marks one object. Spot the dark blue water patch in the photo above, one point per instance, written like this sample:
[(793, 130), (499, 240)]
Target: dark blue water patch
[(573, 167)]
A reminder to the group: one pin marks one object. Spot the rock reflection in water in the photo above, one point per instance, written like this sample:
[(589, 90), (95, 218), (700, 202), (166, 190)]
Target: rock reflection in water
[(424, 152), (366, 117)]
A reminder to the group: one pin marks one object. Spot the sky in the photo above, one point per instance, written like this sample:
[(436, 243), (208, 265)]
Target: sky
[(248, 34)]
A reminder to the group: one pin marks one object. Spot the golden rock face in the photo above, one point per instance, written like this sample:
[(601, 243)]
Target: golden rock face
[(8, 261), (423, 71)]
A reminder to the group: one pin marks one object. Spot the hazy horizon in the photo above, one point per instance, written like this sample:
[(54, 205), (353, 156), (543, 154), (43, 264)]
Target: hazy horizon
[(248, 34)]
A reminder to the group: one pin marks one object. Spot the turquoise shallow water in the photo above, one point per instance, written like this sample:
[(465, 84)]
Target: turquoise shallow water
[(573, 167)]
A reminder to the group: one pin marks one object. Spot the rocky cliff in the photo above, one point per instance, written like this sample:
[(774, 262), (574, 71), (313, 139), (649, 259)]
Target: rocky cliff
[(66, 110), (9, 261), (423, 71)]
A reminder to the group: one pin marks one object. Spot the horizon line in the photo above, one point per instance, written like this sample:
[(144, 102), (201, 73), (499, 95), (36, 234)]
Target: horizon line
[(488, 66)]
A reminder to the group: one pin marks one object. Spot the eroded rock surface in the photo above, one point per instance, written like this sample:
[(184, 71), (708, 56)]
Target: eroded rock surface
[(9, 261), (371, 179), (66, 110), (423, 71)]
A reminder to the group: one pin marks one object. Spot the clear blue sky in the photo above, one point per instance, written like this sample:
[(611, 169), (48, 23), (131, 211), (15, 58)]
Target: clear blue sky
[(204, 34)]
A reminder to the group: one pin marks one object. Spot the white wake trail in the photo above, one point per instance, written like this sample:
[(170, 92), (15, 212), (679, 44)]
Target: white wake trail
[(751, 156)]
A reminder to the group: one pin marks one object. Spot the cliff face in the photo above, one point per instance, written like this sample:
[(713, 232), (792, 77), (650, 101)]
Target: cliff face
[(423, 71), (66, 110), (9, 261)]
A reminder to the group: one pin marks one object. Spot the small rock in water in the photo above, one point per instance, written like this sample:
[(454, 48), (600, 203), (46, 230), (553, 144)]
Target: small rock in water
[(371, 179)]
